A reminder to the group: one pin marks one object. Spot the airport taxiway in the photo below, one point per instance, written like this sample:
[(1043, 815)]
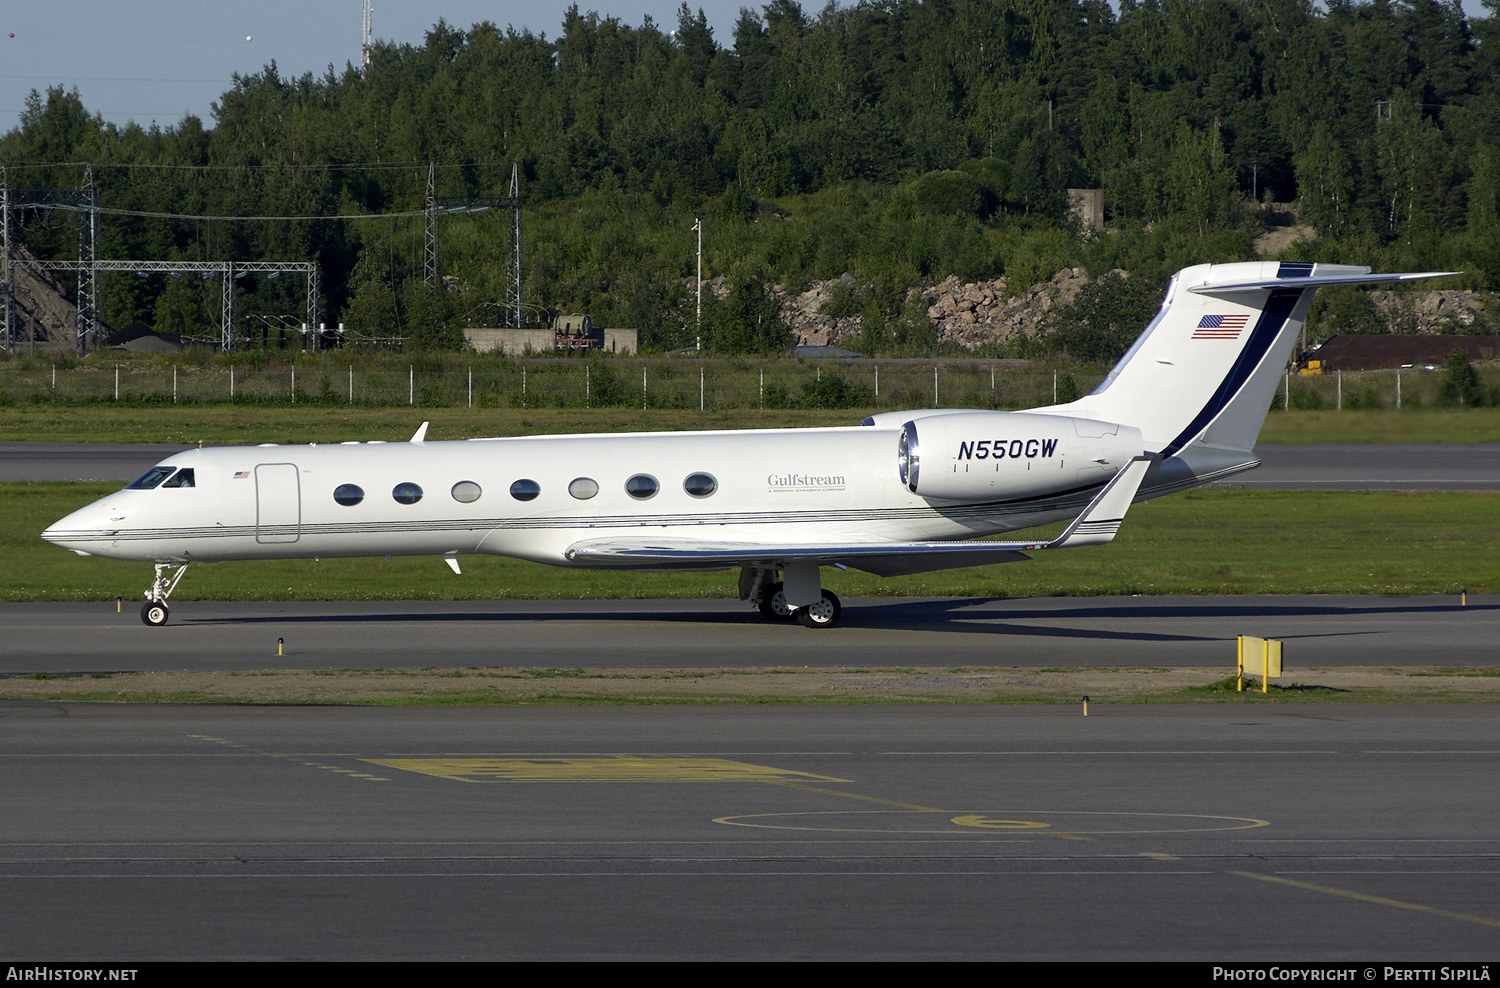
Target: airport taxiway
[(57, 638), (1212, 833)]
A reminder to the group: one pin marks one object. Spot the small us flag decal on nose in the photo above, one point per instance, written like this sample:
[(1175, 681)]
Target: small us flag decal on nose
[(1220, 327)]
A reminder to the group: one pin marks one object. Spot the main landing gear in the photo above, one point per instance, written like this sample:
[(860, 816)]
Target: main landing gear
[(155, 611), (772, 598)]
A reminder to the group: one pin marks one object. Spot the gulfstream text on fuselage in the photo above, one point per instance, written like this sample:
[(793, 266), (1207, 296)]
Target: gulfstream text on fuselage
[(803, 482)]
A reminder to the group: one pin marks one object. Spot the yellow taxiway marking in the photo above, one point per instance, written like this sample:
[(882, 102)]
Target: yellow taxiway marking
[(1031, 823), (854, 795), (1158, 856), (1377, 900), (290, 758), (990, 823), (620, 768)]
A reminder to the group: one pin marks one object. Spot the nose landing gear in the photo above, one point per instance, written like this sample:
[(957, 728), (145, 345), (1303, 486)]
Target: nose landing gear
[(155, 611)]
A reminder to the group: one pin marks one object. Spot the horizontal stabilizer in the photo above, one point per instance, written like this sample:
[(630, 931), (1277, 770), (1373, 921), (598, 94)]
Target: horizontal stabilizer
[(1095, 526), (1312, 281)]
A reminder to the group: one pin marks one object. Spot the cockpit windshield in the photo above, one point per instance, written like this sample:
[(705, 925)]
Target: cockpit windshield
[(151, 478)]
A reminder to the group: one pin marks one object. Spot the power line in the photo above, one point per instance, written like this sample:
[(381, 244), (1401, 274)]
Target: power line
[(329, 166), (141, 214)]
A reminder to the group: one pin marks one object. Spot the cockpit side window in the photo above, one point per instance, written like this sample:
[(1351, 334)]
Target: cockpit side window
[(183, 478), (151, 478)]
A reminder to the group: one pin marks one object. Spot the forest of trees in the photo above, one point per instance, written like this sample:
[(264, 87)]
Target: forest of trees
[(899, 141)]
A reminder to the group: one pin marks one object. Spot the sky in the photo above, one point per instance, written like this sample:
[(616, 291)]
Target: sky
[(158, 60)]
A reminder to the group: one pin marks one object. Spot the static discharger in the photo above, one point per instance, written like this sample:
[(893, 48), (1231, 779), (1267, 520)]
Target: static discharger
[(1270, 661)]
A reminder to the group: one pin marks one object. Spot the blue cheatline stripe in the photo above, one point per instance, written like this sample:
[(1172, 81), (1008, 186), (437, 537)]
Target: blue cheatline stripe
[(1272, 318)]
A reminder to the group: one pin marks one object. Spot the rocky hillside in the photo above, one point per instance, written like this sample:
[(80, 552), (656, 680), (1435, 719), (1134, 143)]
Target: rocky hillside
[(969, 314)]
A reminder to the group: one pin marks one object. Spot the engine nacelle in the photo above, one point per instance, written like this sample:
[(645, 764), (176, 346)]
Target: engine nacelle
[(969, 456)]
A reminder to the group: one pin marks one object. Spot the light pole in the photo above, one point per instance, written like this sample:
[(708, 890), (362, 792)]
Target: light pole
[(698, 315)]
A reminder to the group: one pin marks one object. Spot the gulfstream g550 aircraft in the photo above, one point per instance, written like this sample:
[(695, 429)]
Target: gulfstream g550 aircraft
[(905, 492)]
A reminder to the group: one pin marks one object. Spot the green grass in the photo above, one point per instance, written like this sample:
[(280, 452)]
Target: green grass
[(1200, 542), (248, 424)]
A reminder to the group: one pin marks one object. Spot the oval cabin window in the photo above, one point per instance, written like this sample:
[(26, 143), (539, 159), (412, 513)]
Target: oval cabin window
[(642, 486), (348, 494), (407, 493), (466, 491), (525, 490)]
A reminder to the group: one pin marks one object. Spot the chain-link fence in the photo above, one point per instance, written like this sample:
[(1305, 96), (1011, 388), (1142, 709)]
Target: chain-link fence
[(1409, 387), (682, 383), (708, 383)]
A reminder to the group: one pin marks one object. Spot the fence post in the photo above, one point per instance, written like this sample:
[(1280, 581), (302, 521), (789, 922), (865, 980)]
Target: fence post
[(1338, 381), (1398, 389)]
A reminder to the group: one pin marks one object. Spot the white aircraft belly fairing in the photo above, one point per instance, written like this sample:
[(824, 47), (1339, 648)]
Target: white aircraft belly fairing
[(902, 493)]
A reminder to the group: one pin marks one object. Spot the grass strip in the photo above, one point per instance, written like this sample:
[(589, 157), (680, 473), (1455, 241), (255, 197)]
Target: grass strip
[(246, 425), (484, 686), (1208, 541)]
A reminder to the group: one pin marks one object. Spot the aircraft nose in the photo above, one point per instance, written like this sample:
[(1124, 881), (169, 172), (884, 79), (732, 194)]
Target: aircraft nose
[(83, 526)]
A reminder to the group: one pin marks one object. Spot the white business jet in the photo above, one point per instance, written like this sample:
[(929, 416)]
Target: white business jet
[(905, 492)]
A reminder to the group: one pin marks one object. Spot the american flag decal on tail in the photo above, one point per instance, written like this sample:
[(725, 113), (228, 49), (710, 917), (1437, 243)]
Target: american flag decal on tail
[(1220, 327)]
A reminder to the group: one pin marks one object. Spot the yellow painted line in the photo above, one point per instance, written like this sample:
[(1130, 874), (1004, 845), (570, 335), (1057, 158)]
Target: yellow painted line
[(1032, 823), (990, 823), (852, 795), (1377, 900), (1158, 856), (621, 768)]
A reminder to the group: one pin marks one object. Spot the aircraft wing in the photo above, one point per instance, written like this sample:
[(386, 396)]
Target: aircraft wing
[(1095, 526)]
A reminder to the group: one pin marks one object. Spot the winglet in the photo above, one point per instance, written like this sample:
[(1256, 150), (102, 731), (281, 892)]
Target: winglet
[(1102, 518), (420, 436)]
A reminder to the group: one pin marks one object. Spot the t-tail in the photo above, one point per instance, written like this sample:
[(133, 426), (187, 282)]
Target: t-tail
[(1200, 379)]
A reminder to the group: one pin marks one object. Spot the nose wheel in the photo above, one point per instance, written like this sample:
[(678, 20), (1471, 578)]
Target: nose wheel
[(155, 612)]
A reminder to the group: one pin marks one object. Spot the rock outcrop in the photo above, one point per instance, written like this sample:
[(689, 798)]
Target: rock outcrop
[(1445, 311), (967, 313)]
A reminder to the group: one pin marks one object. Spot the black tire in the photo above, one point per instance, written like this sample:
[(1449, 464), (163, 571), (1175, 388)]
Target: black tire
[(155, 613), (824, 614), (773, 605)]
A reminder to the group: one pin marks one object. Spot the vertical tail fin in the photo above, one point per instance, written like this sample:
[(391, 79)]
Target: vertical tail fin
[(1205, 370)]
